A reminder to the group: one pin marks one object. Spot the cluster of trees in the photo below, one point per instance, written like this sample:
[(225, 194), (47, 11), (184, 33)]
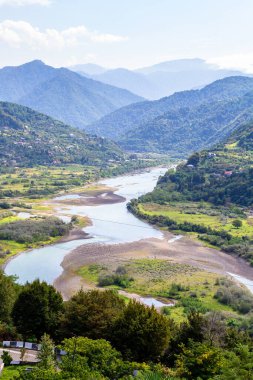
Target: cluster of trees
[(106, 338), (33, 230)]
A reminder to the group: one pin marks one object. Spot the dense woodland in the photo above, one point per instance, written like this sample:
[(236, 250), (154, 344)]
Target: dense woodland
[(106, 338)]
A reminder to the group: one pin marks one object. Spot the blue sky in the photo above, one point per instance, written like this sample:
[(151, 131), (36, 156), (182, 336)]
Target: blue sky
[(126, 33)]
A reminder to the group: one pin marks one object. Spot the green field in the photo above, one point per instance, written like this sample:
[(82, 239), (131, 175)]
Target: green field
[(158, 278), (201, 213)]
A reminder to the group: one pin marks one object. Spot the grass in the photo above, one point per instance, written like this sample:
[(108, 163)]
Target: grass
[(9, 373), (197, 213), (155, 277)]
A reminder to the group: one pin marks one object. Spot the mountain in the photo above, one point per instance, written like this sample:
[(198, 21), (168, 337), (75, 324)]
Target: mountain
[(189, 129), (220, 175), (30, 138), (88, 68), (159, 80), (61, 93), (131, 81), (182, 122), (177, 65)]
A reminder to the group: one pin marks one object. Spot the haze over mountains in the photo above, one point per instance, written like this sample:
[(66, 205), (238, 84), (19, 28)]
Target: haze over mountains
[(183, 122), (61, 93), (159, 80)]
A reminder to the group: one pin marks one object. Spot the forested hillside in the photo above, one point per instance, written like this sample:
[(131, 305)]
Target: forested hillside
[(61, 93), (183, 122), (220, 175), (210, 195), (30, 138)]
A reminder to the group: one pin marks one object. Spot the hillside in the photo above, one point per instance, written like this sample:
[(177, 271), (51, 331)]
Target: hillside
[(152, 121), (220, 175), (61, 93), (210, 195), (30, 138), (188, 129), (159, 80)]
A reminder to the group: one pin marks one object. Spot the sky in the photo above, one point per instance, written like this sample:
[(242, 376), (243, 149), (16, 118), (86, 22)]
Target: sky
[(126, 33)]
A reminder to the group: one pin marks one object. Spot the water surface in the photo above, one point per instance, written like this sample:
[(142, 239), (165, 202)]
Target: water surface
[(112, 223)]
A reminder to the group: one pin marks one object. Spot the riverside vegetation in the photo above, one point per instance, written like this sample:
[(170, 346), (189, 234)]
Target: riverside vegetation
[(105, 338), (209, 196)]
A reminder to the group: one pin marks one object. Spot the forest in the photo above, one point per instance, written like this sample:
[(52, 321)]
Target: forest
[(105, 337)]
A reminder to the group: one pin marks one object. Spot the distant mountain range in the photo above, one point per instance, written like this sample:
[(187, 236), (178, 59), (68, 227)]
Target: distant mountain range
[(159, 80), (183, 122), (61, 93), (30, 138)]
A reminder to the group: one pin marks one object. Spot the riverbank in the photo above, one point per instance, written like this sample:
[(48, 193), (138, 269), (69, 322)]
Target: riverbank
[(184, 251)]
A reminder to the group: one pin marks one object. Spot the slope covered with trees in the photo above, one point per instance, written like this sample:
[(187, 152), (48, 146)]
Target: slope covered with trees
[(30, 138), (183, 122)]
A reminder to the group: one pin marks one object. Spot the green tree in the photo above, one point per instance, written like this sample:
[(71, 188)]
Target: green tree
[(8, 294), (91, 314), (199, 360), (46, 355), (6, 358), (85, 355), (237, 223), (37, 310), (141, 333), (238, 365)]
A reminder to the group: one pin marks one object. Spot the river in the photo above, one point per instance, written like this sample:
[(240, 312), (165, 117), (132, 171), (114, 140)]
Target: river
[(111, 224)]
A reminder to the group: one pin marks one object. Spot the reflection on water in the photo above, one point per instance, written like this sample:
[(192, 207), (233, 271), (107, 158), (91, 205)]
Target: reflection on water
[(153, 302), (112, 223)]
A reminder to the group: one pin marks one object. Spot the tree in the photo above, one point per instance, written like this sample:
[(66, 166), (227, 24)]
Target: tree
[(46, 355), (37, 310), (91, 314), (85, 355), (6, 358), (141, 333), (238, 364), (8, 294), (237, 223), (199, 360)]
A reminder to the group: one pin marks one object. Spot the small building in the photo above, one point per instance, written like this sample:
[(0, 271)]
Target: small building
[(228, 173)]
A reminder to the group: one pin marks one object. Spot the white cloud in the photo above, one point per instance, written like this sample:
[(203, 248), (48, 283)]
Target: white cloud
[(21, 33), (235, 61), (21, 3)]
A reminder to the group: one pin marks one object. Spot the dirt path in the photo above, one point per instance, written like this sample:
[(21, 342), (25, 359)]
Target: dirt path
[(184, 251)]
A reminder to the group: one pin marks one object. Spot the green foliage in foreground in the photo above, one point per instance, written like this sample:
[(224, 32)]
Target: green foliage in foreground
[(140, 342)]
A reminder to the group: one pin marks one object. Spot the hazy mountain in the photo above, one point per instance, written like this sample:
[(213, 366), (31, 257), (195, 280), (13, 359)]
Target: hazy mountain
[(130, 80), (162, 79), (30, 138), (88, 68), (178, 65), (61, 93), (116, 124)]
